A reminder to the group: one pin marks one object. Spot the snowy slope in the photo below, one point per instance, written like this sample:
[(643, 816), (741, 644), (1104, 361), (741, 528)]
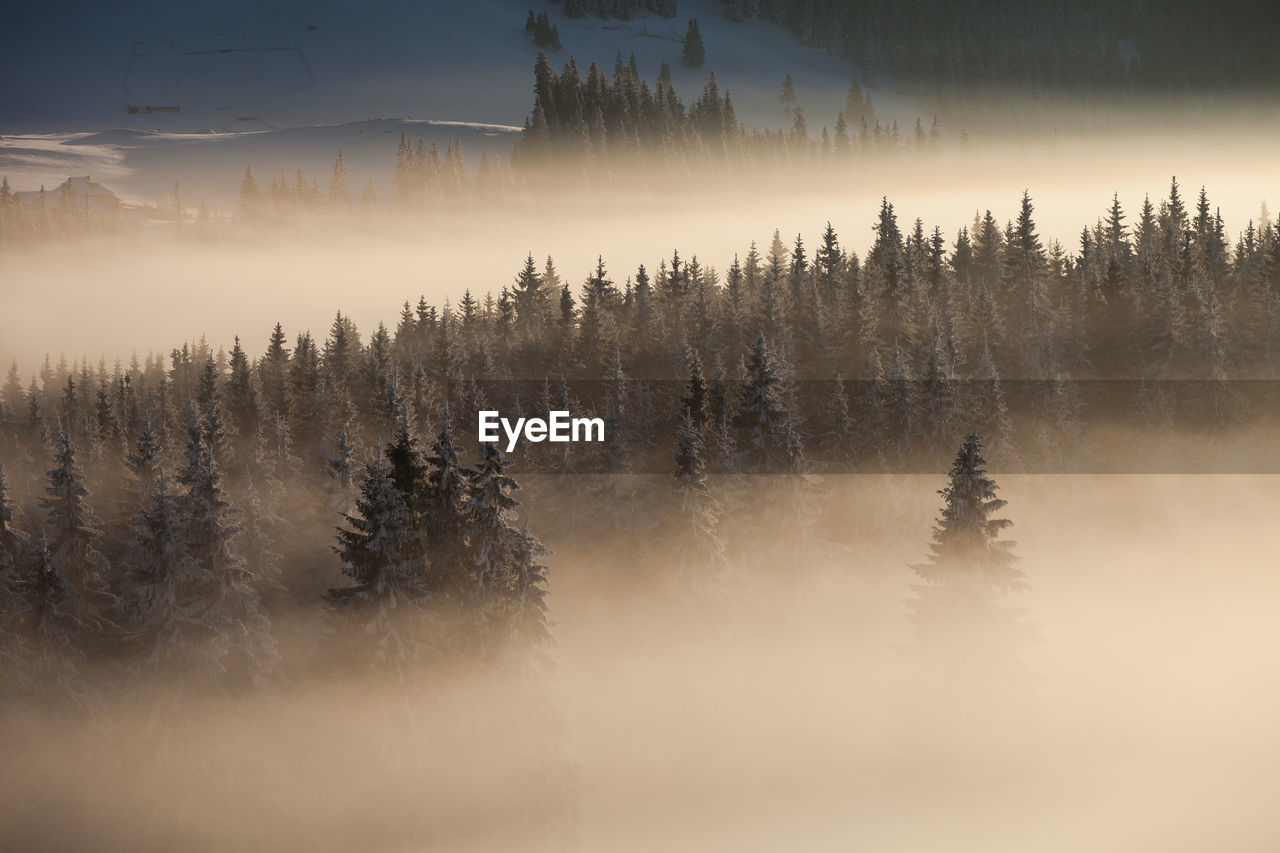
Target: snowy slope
[(241, 64), (142, 166), (283, 85)]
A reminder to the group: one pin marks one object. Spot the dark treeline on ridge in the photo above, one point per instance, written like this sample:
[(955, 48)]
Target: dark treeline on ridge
[(621, 9), (589, 121), (967, 51), (977, 48)]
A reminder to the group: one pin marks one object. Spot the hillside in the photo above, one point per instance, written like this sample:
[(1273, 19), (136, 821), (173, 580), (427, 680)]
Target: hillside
[(244, 65), (283, 86), (142, 166)]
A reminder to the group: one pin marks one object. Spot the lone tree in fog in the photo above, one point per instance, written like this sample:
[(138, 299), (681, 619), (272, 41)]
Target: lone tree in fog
[(788, 96), (702, 561), (250, 195), (695, 53), (969, 569), (339, 191)]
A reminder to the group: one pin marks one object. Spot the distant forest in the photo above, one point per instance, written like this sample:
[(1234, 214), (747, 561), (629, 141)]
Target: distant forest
[(968, 58), (604, 119), (621, 9), (1166, 45), (986, 47)]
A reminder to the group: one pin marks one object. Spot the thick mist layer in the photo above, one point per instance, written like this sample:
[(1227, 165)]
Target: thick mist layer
[(1144, 721), (141, 295)]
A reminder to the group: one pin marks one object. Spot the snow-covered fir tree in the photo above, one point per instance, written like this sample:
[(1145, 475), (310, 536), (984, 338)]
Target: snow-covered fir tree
[(444, 516), (59, 623), (765, 425), (71, 528), (386, 604), (703, 565), (957, 611), (215, 611)]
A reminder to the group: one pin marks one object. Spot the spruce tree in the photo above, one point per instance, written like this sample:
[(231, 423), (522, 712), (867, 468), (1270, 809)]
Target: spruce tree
[(339, 191), (59, 624), (108, 435), (12, 540), (12, 396), (275, 373), (765, 424), (694, 402), (509, 582), (491, 507), (155, 564), (887, 269), (408, 470), (71, 528), (956, 612), (702, 564), (217, 594), (263, 529), (251, 202), (381, 553), (788, 96), (695, 52), (899, 406), (143, 464), (341, 469), (839, 437), (444, 520), (989, 411), (217, 429), (242, 402), (530, 303), (13, 552)]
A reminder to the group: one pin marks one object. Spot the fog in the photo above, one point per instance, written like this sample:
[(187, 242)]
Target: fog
[(1146, 720), (110, 297), (1145, 724)]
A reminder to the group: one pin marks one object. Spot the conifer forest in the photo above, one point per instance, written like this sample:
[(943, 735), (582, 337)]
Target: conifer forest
[(612, 425)]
